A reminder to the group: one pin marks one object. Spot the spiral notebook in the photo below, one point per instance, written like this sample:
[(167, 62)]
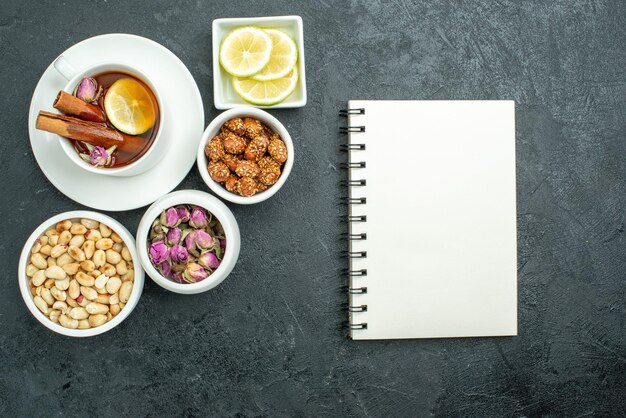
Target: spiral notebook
[(432, 219)]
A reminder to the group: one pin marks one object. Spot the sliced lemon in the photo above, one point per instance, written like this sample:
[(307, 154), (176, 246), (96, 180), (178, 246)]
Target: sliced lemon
[(245, 51), (129, 106), (283, 58), (266, 93)]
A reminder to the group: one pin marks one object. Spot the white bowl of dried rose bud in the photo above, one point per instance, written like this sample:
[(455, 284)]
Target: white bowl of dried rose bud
[(245, 155), (79, 273), (188, 241)]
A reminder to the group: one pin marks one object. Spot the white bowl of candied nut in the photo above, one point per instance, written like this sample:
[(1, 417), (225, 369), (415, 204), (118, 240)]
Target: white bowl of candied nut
[(79, 273), (245, 155)]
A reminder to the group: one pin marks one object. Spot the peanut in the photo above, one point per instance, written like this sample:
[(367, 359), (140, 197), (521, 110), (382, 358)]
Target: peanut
[(38, 261), (63, 225), (113, 285), (48, 283), (113, 257), (54, 240), (126, 254), (117, 247), (88, 292), (84, 279), (36, 247), (109, 270), (99, 258), (31, 269), (51, 262), (116, 238), (71, 302), (114, 309), (121, 268), (84, 324), (90, 223), (95, 308), (88, 266), (76, 253), (74, 289), (58, 294), (57, 250), (96, 320), (104, 244), (54, 315), (89, 247), (71, 268), (43, 239), (41, 304), (125, 290), (38, 278), (77, 240), (63, 284), (78, 229), (79, 313), (93, 235), (129, 276), (47, 296), (51, 232), (55, 272), (64, 259), (60, 305), (105, 231), (67, 322), (64, 238), (103, 298), (101, 281), (114, 299)]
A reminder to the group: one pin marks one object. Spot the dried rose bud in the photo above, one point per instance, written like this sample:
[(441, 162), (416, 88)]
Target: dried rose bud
[(194, 273), (233, 144), (88, 90), (198, 218), (278, 150), (209, 260), (190, 241), (247, 186), (178, 278), (235, 125), (98, 156), (178, 253), (223, 243), (253, 127), (170, 218), (183, 213), (218, 171), (214, 149), (158, 252), (166, 269), (231, 161), (247, 168), (174, 235), (203, 239)]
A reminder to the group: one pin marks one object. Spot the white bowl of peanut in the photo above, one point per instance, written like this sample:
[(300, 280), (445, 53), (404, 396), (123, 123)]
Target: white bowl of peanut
[(79, 273)]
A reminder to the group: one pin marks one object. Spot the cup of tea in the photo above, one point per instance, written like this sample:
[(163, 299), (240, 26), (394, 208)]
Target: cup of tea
[(134, 109)]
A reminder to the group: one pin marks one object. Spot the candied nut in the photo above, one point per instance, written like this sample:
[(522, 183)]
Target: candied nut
[(233, 144), (278, 150), (247, 168), (218, 171), (260, 186), (268, 163), (214, 149), (232, 183), (235, 125), (252, 127), (268, 178), (256, 148), (247, 186), (231, 161)]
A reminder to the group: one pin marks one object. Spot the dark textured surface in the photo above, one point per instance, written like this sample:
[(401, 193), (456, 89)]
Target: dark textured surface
[(267, 341)]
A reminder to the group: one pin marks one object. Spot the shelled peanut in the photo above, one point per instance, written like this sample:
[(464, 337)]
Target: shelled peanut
[(81, 273)]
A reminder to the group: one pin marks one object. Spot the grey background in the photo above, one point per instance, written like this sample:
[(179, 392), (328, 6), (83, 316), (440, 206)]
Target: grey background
[(268, 340)]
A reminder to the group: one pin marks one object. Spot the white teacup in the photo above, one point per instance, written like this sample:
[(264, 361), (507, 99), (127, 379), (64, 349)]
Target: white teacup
[(160, 143)]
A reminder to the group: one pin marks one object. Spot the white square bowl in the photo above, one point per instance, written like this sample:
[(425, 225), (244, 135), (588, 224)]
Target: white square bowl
[(224, 95)]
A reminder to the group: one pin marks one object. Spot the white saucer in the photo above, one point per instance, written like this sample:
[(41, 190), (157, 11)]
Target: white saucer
[(185, 123)]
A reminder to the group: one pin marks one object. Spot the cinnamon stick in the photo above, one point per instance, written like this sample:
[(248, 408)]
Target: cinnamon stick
[(72, 105), (93, 133)]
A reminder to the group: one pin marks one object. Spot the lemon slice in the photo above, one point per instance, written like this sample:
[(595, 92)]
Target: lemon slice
[(129, 106), (266, 93), (283, 58), (245, 51)]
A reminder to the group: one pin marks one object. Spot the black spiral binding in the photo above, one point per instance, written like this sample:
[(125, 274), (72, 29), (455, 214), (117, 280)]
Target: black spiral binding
[(349, 147)]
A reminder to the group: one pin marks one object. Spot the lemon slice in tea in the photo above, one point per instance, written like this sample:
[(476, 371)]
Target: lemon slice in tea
[(245, 51), (266, 93), (283, 58), (130, 107)]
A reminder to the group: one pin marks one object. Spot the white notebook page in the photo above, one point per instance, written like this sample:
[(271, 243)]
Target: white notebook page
[(441, 219)]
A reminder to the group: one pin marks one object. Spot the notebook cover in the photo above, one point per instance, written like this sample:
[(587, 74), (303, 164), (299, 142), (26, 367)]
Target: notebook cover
[(441, 219)]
